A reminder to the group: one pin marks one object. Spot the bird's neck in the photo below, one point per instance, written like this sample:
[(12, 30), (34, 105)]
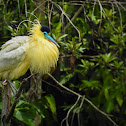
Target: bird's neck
[(36, 31)]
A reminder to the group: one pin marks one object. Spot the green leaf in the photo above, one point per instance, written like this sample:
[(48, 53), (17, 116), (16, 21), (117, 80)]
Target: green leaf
[(119, 100), (107, 58), (118, 64), (93, 84), (0, 105), (20, 103), (52, 104), (25, 115), (10, 28), (110, 106), (61, 37), (66, 78), (106, 92)]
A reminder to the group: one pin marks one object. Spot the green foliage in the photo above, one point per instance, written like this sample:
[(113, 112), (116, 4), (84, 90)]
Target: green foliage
[(100, 59), (26, 112), (52, 105), (94, 67), (67, 78)]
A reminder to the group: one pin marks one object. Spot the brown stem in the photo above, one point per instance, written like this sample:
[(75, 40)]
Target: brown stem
[(17, 97), (79, 96), (6, 96), (75, 16)]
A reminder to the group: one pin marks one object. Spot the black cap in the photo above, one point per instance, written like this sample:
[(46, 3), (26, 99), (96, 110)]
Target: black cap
[(45, 28)]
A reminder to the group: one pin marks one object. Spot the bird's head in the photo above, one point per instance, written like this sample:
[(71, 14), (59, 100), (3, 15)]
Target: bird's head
[(45, 29), (42, 31)]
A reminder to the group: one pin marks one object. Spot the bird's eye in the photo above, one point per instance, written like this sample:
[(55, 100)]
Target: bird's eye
[(44, 33)]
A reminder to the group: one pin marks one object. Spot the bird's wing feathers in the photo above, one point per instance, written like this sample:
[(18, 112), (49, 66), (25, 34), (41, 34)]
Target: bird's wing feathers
[(15, 42), (13, 52)]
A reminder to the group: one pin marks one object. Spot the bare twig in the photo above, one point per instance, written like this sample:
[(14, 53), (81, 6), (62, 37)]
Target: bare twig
[(108, 116), (92, 2), (25, 8), (75, 16), (39, 6), (19, 8), (21, 23), (67, 18), (102, 10), (32, 15), (17, 97), (77, 94), (122, 6), (81, 104), (52, 85), (66, 118), (113, 9), (78, 111), (50, 11), (93, 8), (5, 104), (119, 14), (64, 86)]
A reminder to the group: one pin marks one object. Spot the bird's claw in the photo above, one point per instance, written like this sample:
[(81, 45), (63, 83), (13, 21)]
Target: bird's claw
[(5, 82)]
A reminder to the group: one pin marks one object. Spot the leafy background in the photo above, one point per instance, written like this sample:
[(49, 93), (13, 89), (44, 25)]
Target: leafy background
[(92, 60)]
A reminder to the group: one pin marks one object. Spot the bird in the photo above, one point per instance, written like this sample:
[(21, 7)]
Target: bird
[(38, 52)]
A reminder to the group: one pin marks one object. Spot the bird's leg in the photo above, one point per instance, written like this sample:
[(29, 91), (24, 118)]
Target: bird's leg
[(13, 88), (12, 85)]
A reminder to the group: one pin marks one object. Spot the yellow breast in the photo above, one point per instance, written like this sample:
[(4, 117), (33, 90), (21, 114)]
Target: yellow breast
[(42, 54)]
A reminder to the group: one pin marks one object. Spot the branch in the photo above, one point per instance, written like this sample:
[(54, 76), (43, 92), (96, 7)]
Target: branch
[(67, 18), (78, 112), (17, 97), (64, 86), (80, 96), (6, 97), (68, 113), (102, 10), (75, 15)]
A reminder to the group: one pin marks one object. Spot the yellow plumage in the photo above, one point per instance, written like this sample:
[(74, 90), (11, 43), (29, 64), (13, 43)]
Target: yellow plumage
[(16, 72), (42, 53), (24, 52)]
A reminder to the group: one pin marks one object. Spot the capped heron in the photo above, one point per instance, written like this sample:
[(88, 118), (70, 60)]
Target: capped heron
[(37, 52)]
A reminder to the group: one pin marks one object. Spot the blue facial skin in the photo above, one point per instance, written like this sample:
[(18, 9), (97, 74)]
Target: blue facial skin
[(50, 38)]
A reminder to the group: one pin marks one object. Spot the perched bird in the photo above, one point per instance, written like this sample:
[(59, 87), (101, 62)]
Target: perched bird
[(37, 52)]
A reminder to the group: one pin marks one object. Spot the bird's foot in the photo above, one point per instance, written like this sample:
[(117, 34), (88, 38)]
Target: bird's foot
[(5, 82)]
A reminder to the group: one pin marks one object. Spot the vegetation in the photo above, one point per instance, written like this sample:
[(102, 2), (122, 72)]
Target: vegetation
[(92, 62)]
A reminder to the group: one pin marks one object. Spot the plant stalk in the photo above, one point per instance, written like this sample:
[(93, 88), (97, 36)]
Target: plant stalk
[(6, 99)]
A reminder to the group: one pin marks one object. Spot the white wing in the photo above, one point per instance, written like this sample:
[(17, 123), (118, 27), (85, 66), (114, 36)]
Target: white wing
[(13, 52)]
